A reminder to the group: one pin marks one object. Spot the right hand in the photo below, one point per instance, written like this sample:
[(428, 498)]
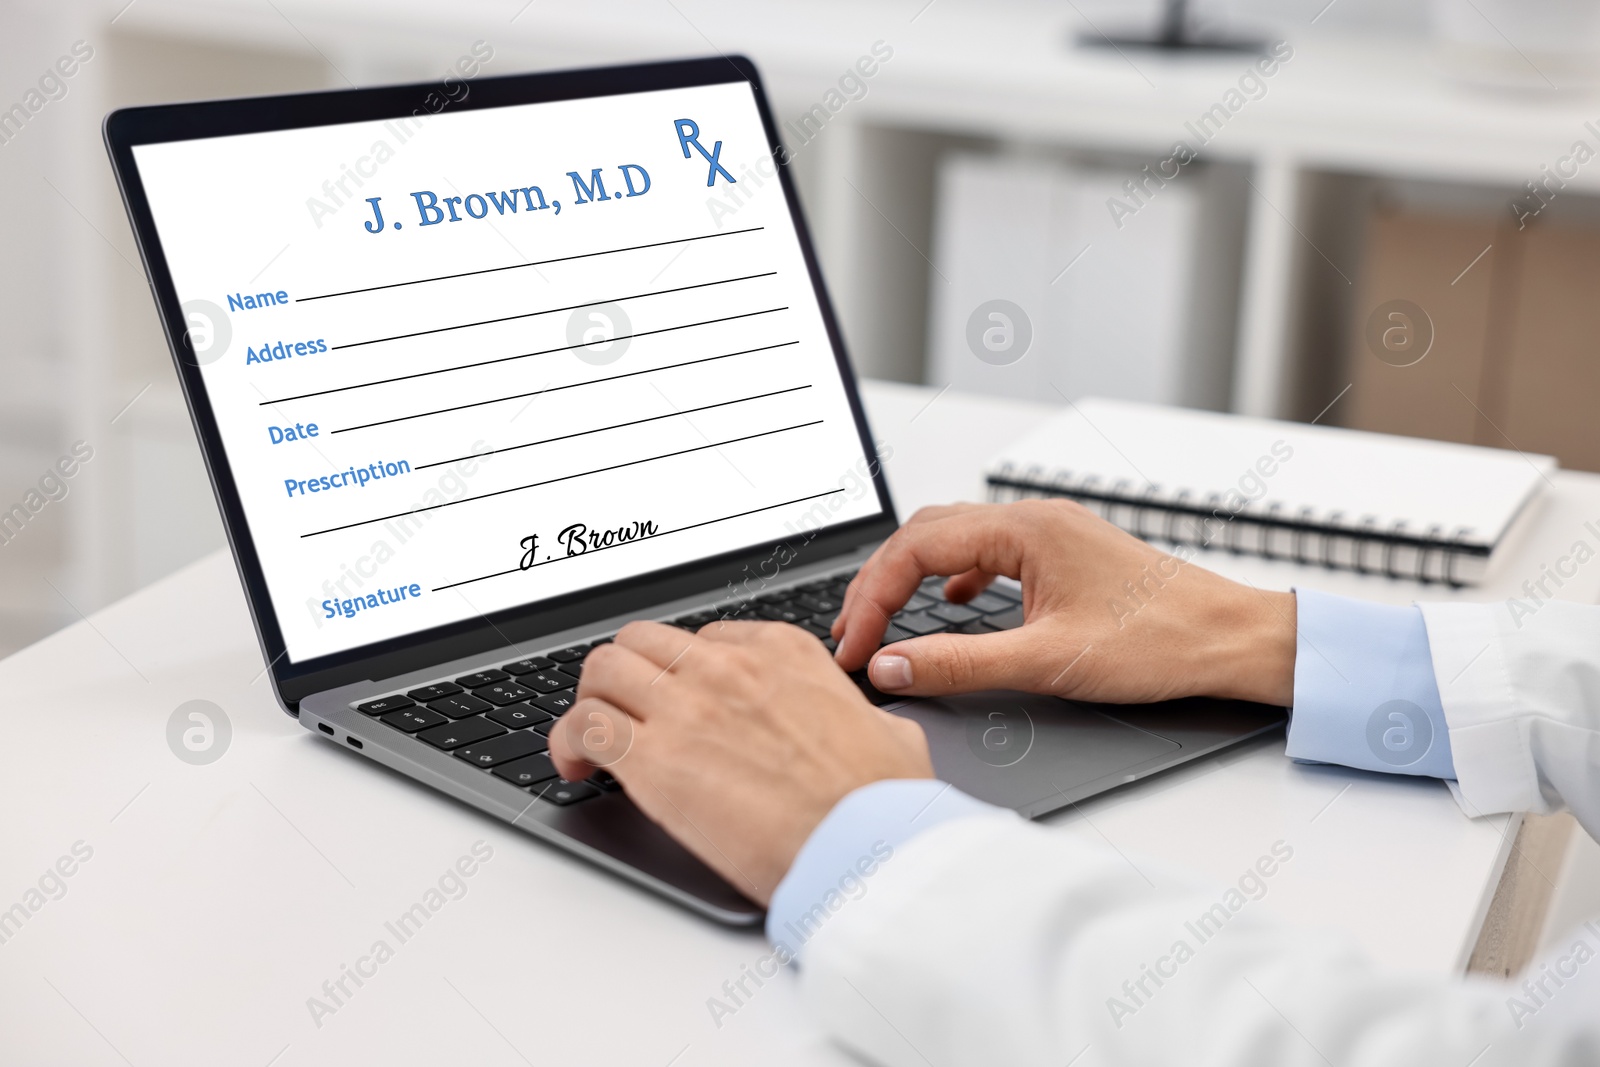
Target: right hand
[(738, 740), (1107, 617)]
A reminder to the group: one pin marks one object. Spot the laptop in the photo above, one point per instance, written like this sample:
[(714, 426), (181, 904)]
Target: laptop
[(482, 371)]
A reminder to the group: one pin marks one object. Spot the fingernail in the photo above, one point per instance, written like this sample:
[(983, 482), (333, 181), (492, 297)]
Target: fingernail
[(891, 672)]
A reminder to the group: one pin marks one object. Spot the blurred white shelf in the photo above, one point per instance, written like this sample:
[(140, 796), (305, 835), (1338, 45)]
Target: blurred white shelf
[(1372, 106), (1366, 103)]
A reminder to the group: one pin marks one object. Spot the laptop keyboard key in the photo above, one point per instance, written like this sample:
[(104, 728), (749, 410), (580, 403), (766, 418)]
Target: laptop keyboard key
[(954, 613), (498, 750), (529, 665), (473, 681), (893, 634), (413, 719), (987, 602), (976, 626), (518, 715), (570, 655), (555, 703), (502, 693), (562, 792), (545, 681), (575, 670), (434, 692), (1005, 620), (466, 732), (385, 704), (782, 613), (460, 706), (529, 770), (919, 623), (818, 605)]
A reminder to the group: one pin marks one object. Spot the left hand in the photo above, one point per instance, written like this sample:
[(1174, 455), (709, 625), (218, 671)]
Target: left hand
[(738, 740)]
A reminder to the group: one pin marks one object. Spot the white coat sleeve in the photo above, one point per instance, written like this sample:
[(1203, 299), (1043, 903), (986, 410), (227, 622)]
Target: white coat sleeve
[(1520, 686), (988, 940)]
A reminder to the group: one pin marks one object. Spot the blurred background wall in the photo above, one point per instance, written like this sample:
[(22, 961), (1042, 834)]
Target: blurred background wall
[(1401, 158)]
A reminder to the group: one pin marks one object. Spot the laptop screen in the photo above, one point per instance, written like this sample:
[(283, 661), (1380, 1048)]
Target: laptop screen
[(470, 361)]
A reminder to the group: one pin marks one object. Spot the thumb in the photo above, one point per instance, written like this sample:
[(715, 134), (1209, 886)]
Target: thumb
[(957, 663)]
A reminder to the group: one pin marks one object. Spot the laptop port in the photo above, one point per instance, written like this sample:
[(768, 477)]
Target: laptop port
[(325, 728), (353, 742)]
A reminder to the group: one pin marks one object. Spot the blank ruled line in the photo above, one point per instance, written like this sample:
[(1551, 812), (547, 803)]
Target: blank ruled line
[(559, 388), (563, 478), (614, 426), (553, 311), (520, 355), (663, 533), (534, 263)]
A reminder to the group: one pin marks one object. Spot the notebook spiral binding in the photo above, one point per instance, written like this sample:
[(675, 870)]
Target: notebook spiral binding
[(1262, 527)]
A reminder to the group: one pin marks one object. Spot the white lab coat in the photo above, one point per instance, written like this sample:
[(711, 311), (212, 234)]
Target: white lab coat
[(988, 940)]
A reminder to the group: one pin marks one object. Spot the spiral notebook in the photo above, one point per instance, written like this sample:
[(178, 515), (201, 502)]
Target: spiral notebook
[(1401, 506)]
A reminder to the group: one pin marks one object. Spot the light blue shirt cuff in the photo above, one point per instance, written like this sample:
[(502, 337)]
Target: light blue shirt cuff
[(860, 835), (1364, 690)]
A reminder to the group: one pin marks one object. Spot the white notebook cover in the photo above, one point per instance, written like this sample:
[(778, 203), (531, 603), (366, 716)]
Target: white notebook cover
[(1341, 478)]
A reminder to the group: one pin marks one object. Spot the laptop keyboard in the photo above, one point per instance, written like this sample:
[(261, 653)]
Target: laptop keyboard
[(499, 719)]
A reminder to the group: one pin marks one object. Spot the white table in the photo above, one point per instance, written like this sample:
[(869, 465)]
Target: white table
[(219, 898)]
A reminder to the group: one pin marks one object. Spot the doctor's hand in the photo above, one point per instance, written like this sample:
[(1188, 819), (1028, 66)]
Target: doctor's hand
[(1107, 617), (737, 740)]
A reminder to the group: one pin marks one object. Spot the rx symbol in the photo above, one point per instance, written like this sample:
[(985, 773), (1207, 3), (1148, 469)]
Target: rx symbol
[(689, 134)]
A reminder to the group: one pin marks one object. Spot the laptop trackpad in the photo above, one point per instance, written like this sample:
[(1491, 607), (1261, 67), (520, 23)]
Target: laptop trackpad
[(1031, 753)]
